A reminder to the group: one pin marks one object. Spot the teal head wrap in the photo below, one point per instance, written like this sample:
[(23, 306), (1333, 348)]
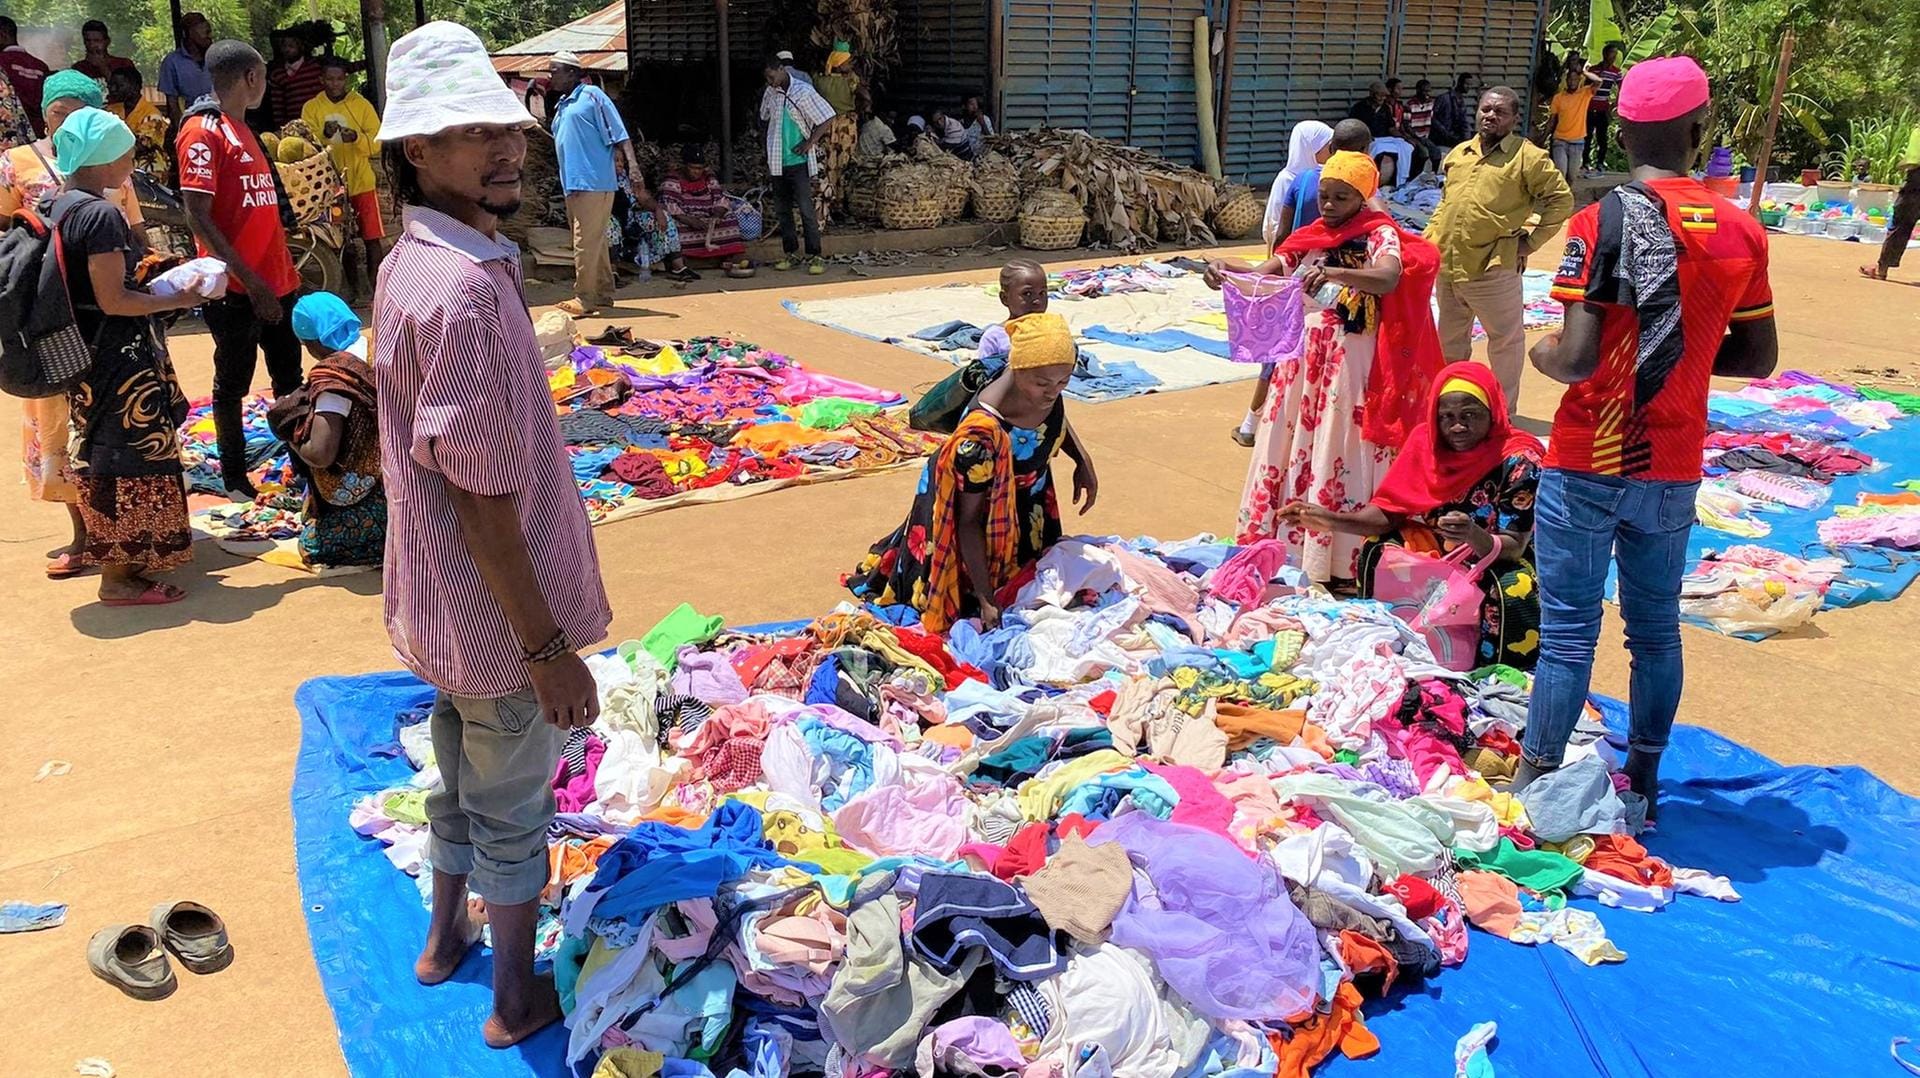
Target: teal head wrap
[(326, 318), (90, 137), (71, 83)]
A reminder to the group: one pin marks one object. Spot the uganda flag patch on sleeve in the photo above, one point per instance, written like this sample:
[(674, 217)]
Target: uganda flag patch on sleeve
[(1696, 218)]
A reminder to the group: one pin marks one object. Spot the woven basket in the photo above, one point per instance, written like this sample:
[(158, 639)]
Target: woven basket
[(863, 202), (1048, 232), (312, 186), (953, 204), (1239, 215), (996, 205), (925, 210)]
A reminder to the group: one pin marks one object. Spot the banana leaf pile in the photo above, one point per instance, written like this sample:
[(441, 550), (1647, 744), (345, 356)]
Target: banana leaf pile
[(1131, 198)]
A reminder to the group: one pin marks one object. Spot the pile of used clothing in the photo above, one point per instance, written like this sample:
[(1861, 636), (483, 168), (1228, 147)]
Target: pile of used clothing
[(1775, 448), (647, 420), (643, 421), (1172, 816)]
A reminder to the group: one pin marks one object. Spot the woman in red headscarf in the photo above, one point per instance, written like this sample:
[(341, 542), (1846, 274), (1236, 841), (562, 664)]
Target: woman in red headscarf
[(1336, 415), (1466, 475)]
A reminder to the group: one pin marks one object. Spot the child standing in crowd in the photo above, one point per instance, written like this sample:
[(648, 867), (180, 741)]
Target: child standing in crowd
[(1665, 285), (331, 424)]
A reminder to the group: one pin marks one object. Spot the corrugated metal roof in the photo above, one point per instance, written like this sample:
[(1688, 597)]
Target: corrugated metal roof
[(599, 39)]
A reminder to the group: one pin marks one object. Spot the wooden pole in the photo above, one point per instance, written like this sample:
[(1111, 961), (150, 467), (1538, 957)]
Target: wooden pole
[(178, 37), (1227, 53), (1203, 97), (373, 35), (726, 94), (419, 13), (997, 62), (1773, 123)]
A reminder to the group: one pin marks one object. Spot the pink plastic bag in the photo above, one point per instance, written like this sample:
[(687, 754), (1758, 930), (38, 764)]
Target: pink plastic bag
[(1266, 322), (1439, 598)]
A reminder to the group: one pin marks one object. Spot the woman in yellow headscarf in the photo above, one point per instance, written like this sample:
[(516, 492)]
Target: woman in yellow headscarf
[(986, 510)]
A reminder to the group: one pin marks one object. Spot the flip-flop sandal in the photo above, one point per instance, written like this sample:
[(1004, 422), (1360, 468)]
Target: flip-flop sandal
[(195, 934), (1872, 273), (65, 566), (575, 309), (130, 958), (682, 274), (155, 594)]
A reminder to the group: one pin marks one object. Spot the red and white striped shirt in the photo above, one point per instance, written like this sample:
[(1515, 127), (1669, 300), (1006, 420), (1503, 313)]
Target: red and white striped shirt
[(464, 400)]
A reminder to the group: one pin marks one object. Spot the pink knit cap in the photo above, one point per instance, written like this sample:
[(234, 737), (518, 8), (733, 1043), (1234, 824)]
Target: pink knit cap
[(1658, 90)]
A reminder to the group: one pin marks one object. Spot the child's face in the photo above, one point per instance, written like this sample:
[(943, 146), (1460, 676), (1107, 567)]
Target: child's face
[(1024, 294), (317, 350)]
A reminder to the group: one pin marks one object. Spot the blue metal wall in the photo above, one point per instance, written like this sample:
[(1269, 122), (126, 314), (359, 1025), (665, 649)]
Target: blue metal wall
[(1123, 69)]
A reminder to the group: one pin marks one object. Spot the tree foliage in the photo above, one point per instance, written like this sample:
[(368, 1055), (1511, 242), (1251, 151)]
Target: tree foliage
[(498, 22), (1853, 61)]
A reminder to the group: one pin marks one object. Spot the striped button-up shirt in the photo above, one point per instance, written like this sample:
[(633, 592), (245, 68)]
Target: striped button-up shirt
[(464, 401), (809, 109)]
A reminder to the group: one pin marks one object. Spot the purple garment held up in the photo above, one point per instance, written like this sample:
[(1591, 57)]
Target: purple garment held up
[(1266, 319)]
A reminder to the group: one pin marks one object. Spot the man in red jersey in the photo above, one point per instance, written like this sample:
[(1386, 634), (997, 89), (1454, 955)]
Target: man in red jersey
[(1665, 285)]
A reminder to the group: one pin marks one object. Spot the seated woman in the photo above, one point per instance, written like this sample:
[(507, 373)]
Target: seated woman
[(1464, 476), (331, 424), (986, 510), (698, 204)]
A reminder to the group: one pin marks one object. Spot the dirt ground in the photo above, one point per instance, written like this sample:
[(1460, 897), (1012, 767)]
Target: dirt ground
[(180, 728)]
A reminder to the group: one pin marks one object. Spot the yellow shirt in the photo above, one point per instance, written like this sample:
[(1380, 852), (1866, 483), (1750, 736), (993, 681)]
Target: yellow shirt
[(142, 115), (353, 159), (1570, 113), (1488, 204)]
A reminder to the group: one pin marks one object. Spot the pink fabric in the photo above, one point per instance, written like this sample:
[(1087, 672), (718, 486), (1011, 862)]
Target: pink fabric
[(726, 748), (1257, 624), (798, 383), (701, 921), (927, 819), (1256, 809), (708, 677), (1242, 579), (1266, 319), (1201, 804), (576, 793), (1165, 592)]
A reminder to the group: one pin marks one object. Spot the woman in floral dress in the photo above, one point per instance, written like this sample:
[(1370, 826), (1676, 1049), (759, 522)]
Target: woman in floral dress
[(1335, 415), (986, 508), (1466, 477)]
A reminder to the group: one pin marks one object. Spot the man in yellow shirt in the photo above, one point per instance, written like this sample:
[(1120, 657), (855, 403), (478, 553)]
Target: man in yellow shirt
[(1497, 183), (149, 127), (1568, 115), (349, 126)]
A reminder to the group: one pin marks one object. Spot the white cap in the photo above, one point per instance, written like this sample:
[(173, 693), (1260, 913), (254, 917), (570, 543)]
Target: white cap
[(439, 77), (563, 58), (783, 56)]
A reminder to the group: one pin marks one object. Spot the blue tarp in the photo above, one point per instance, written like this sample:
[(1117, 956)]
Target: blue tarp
[(1820, 965)]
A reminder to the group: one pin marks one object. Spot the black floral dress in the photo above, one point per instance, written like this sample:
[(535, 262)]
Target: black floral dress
[(126, 413), (897, 569), (1502, 501)]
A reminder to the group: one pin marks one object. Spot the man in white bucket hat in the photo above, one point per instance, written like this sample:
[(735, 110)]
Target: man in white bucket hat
[(492, 580)]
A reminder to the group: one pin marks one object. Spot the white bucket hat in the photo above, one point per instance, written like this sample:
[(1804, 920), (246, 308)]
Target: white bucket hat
[(440, 77), (563, 58)]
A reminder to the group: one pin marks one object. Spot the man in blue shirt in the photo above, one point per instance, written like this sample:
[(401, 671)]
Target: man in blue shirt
[(587, 133), (183, 74)]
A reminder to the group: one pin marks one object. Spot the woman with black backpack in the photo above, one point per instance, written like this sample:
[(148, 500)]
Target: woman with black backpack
[(127, 408)]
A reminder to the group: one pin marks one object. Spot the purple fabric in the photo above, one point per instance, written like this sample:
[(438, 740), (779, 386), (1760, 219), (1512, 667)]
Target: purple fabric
[(986, 1042), (1266, 320), (707, 676), (1217, 923)]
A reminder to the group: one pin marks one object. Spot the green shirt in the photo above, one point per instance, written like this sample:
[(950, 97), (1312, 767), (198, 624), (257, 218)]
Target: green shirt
[(790, 137)]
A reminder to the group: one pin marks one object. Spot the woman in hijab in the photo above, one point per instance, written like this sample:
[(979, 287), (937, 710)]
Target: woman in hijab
[(1335, 415), (330, 424), (1465, 476), (28, 175), (127, 408), (1310, 146), (986, 510)]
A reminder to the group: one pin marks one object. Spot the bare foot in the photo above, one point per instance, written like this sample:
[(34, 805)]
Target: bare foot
[(513, 1021), (441, 957)]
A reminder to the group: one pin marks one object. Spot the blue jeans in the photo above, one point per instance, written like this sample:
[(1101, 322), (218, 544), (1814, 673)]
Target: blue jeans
[(1581, 522)]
